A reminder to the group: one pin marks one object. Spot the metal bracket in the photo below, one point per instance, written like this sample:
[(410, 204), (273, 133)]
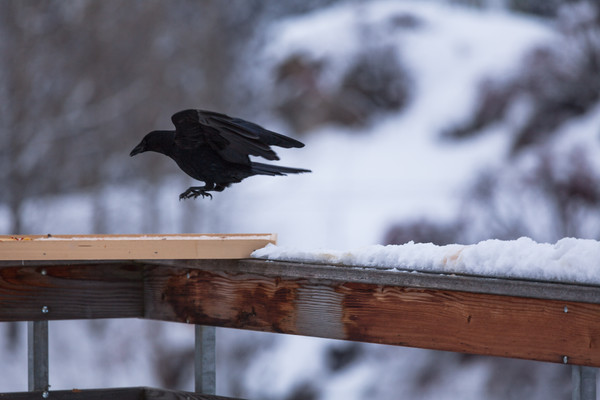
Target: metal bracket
[(205, 360), (584, 383), (37, 356)]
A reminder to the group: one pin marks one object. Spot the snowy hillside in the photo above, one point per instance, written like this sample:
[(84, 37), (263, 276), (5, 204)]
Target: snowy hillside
[(398, 167)]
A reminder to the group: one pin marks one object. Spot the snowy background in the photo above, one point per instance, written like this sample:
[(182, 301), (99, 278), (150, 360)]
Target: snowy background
[(439, 121)]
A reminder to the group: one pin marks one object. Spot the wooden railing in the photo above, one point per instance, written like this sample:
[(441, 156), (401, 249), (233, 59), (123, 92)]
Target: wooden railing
[(549, 322)]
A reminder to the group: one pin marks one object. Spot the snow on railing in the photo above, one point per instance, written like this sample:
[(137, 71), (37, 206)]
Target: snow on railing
[(569, 260)]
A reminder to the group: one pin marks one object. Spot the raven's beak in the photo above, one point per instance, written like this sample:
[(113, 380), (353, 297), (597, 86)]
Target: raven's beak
[(137, 149)]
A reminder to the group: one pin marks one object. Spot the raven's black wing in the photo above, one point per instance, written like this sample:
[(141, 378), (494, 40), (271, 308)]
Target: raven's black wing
[(233, 138)]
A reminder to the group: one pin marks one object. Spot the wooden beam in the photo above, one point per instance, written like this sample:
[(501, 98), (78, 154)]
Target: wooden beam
[(468, 314), (137, 393), (398, 277), (460, 321), (76, 394), (130, 247), (75, 290)]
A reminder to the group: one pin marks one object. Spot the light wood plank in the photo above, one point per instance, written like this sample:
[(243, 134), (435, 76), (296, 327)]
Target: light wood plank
[(130, 247)]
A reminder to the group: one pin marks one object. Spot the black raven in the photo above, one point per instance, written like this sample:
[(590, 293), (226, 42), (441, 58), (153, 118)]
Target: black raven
[(215, 148)]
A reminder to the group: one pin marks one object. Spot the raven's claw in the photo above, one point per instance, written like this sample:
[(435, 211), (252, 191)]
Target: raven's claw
[(194, 193)]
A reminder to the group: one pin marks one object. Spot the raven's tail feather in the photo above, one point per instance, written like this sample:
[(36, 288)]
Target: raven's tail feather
[(269, 169)]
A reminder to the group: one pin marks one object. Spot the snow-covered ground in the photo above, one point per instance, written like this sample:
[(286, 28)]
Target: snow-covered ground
[(397, 168)]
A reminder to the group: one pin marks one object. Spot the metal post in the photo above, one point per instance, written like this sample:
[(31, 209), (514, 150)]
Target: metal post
[(205, 360), (584, 383), (37, 355)]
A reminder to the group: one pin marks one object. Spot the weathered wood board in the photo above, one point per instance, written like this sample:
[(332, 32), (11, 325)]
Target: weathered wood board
[(136, 393), (461, 314), (130, 247), (467, 322), (72, 290)]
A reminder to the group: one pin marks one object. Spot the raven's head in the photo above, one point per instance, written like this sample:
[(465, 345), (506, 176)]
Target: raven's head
[(140, 148), (159, 141)]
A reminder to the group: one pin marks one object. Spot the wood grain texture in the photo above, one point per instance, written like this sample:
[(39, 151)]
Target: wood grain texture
[(473, 323), (219, 299), (71, 291), (398, 277), (137, 393), (457, 321)]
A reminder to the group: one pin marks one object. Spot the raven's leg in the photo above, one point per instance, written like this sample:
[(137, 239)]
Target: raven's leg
[(195, 191)]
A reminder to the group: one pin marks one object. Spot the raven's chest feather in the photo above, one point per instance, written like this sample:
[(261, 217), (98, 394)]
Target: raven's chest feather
[(205, 164)]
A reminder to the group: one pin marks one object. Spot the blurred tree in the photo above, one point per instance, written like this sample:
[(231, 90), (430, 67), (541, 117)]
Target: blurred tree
[(546, 8), (554, 195), (423, 231), (70, 87), (550, 193)]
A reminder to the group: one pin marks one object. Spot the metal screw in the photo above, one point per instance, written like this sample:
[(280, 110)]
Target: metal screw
[(565, 359), (43, 272), (45, 309), (45, 394), (566, 309)]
